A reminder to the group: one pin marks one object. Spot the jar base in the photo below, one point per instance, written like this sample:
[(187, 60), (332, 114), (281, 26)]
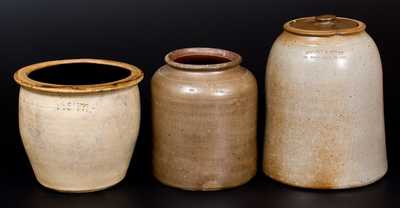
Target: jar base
[(80, 190), (191, 188), (347, 186)]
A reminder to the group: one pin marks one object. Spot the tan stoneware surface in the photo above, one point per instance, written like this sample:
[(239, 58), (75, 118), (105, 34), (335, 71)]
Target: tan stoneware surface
[(325, 123), (79, 138), (204, 121)]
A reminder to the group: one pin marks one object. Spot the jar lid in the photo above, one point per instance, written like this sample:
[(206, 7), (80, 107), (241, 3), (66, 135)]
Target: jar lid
[(324, 25)]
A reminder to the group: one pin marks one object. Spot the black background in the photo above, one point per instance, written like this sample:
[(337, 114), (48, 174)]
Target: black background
[(141, 33)]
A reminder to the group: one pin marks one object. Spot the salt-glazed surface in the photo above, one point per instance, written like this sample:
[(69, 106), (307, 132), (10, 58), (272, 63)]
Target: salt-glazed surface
[(204, 120), (79, 138), (325, 123)]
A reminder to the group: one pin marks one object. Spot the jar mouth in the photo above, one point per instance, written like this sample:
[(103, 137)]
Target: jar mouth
[(78, 76), (202, 59)]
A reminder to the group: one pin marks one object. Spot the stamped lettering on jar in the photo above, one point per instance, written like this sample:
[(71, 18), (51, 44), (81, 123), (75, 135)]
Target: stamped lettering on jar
[(74, 106), (324, 54)]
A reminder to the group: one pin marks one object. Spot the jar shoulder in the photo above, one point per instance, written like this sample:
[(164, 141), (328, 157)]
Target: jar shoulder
[(237, 81), (358, 44), (293, 40), (338, 52)]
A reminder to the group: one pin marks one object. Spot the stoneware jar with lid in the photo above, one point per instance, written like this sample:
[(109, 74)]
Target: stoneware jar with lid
[(325, 123), (79, 121), (204, 120)]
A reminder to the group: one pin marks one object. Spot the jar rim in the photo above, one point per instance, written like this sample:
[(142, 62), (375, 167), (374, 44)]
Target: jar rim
[(233, 58), (23, 79)]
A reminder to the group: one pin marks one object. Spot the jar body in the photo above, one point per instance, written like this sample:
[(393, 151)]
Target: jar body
[(204, 127), (325, 123), (79, 142)]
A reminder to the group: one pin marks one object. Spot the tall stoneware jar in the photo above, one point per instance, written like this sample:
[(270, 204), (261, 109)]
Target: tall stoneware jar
[(325, 123), (204, 120), (79, 120)]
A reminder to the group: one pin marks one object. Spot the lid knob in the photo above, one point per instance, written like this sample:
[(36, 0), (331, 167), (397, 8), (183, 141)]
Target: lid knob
[(325, 18)]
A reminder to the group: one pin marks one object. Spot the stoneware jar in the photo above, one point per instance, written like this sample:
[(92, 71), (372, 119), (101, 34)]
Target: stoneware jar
[(325, 124), (79, 120), (204, 120)]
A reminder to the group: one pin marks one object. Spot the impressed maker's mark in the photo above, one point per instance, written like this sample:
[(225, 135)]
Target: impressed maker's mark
[(324, 54), (74, 106)]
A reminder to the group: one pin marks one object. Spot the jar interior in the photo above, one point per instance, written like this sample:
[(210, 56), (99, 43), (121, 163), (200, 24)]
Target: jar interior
[(79, 74), (201, 59)]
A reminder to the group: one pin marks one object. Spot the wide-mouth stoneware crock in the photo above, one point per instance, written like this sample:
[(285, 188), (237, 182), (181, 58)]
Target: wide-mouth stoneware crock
[(79, 121)]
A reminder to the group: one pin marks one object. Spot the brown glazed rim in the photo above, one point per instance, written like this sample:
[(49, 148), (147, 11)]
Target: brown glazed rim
[(348, 31), (21, 77), (235, 59)]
